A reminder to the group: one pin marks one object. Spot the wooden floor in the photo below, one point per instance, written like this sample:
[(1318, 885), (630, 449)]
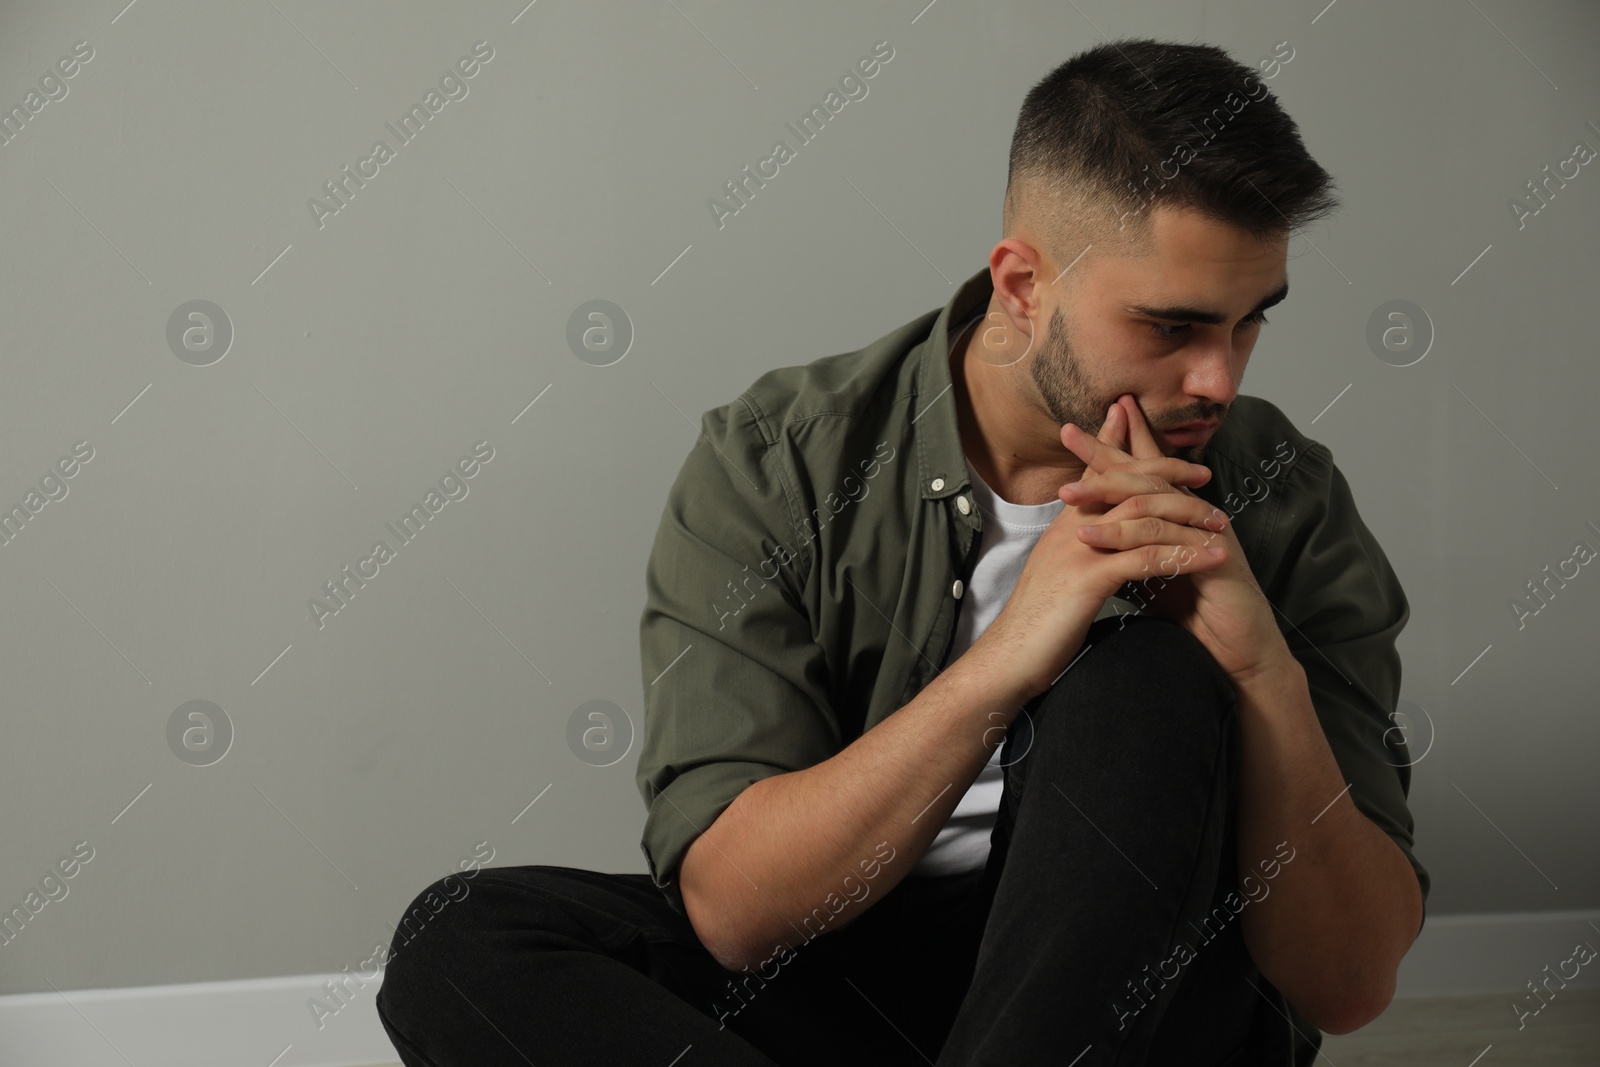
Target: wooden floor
[(1469, 1032)]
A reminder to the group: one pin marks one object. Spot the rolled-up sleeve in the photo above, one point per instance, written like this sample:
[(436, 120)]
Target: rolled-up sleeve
[(1344, 609), (735, 687)]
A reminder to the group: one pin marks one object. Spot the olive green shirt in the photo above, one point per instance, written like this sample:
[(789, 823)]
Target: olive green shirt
[(809, 567)]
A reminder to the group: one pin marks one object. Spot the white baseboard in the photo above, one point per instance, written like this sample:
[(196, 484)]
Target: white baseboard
[(1499, 953), (249, 1022), (243, 1023)]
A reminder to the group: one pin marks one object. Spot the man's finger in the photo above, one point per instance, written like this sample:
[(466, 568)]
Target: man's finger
[(1144, 443), (1096, 454), (1101, 458), (1113, 431)]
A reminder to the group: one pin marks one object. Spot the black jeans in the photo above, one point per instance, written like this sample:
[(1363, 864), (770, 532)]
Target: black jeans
[(1114, 843)]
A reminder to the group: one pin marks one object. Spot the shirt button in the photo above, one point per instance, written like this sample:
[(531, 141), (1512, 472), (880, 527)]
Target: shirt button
[(963, 505), (936, 485), (957, 589)]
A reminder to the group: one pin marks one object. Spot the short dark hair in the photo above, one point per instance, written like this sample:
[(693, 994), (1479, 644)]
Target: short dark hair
[(1097, 139)]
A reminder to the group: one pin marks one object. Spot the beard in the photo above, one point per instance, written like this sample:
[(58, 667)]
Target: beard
[(1070, 395)]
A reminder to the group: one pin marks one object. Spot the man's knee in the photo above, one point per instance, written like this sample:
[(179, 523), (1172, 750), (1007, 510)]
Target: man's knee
[(423, 915), (423, 935), (463, 915), (1145, 642), (1141, 667)]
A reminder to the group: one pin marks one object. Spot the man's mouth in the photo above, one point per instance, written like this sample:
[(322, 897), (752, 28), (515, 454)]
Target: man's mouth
[(1191, 433)]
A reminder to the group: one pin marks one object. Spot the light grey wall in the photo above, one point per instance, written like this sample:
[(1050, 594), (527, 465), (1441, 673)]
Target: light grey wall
[(373, 754)]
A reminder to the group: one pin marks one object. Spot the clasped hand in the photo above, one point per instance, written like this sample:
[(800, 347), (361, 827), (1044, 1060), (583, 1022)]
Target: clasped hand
[(1221, 604)]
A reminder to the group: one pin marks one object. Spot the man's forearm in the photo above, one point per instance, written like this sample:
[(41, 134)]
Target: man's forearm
[(795, 843), (1337, 920)]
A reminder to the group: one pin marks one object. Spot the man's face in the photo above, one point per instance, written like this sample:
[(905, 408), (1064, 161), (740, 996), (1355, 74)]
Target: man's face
[(1137, 325)]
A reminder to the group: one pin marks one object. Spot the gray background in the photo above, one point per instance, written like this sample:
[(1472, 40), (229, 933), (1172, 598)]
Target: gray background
[(377, 752)]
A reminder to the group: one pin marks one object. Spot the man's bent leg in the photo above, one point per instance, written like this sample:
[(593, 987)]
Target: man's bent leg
[(553, 966), (1105, 862)]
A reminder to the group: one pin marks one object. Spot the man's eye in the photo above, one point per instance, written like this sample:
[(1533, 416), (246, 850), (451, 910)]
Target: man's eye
[(1172, 333)]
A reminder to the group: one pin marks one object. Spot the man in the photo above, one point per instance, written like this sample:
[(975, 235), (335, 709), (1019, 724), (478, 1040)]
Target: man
[(963, 742)]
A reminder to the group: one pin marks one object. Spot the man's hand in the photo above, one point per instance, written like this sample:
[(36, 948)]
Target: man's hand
[(1067, 578), (1222, 605)]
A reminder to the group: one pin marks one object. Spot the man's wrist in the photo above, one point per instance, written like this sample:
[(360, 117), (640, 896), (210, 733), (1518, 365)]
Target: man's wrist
[(992, 671), (1278, 669)]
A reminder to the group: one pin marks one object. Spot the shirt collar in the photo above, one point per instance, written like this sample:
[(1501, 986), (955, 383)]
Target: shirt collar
[(940, 460)]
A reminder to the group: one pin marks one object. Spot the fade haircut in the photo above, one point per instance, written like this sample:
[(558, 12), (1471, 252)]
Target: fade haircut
[(1098, 141)]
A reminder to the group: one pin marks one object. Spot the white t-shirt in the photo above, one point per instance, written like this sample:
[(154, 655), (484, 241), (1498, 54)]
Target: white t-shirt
[(1009, 534)]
